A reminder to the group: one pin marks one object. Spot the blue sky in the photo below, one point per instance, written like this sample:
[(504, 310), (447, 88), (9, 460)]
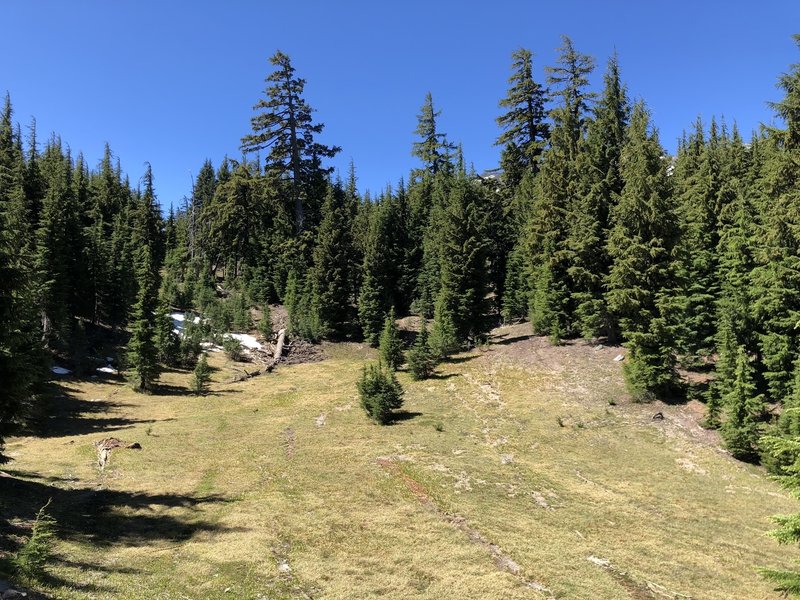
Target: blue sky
[(174, 82)]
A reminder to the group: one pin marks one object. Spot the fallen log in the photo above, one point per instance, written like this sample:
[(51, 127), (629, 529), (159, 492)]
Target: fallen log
[(276, 356)]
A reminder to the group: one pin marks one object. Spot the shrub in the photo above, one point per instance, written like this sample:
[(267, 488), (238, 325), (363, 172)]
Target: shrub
[(189, 347), (233, 348), (265, 324), (421, 360), (380, 392), (391, 347), (31, 559), (201, 377)]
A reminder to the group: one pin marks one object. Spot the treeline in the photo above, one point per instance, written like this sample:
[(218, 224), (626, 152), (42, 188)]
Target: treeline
[(589, 230)]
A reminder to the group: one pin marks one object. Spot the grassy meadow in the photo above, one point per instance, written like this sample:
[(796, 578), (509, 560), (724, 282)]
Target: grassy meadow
[(518, 471)]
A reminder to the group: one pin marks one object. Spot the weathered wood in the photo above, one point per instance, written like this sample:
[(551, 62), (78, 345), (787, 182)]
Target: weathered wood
[(276, 356)]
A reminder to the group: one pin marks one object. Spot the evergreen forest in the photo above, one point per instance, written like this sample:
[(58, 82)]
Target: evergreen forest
[(589, 229)]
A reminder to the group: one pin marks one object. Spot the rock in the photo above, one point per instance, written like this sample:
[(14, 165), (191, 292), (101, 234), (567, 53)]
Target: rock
[(600, 562), (12, 594), (659, 416), (619, 357)]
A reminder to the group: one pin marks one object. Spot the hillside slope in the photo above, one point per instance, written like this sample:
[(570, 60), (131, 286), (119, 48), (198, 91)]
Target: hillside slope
[(519, 472)]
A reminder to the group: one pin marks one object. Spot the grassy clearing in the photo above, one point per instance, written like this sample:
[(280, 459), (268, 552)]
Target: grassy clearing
[(502, 477)]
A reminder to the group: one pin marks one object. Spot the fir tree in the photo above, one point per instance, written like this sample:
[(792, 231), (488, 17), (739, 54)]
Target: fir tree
[(461, 313), (641, 275), (744, 408), (421, 361), (265, 324), (525, 131), (201, 376), (22, 360), (142, 349), (376, 295), (558, 182), (391, 346), (284, 126), (432, 149), (332, 259), (600, 183), (380, 392)]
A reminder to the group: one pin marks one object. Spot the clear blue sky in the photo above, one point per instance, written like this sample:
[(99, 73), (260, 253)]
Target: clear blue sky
[(173, 82)]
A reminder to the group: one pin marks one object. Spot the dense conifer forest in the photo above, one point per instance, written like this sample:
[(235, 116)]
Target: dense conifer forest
[(588, 229)]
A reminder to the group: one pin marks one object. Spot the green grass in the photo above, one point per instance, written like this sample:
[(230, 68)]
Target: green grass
[(477, 492)]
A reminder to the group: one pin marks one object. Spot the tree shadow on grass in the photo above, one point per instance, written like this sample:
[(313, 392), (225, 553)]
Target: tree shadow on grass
[(176, 390), (503, 340), (101, 518), (442, 375), (400, 416), (457, 360), (64, 414)]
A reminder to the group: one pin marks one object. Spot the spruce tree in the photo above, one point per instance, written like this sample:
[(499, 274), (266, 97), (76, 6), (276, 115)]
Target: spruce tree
[(391, 346)]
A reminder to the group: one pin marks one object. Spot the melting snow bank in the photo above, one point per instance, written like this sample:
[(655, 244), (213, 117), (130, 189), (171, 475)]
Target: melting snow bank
[(109, 370), (246, 340), (60, 371), (178, 319)]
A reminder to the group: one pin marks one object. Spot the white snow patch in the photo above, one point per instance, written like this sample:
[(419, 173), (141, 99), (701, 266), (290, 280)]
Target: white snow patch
[(210, 347), (109, 370), (178, 319), (60, 371), (246, 340)]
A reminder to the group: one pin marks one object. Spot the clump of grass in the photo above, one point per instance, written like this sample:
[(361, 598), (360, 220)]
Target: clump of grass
[(438, 426), (612, 402), (560, 421), (35, 553)]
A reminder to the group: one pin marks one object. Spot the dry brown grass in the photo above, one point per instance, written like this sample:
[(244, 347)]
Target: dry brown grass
[(280, 487)]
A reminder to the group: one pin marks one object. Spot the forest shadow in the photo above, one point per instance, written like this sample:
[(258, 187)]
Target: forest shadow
[(442, 375), (457, 360), (66, 415), (504, 340), (165, 389), (102, 517)]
